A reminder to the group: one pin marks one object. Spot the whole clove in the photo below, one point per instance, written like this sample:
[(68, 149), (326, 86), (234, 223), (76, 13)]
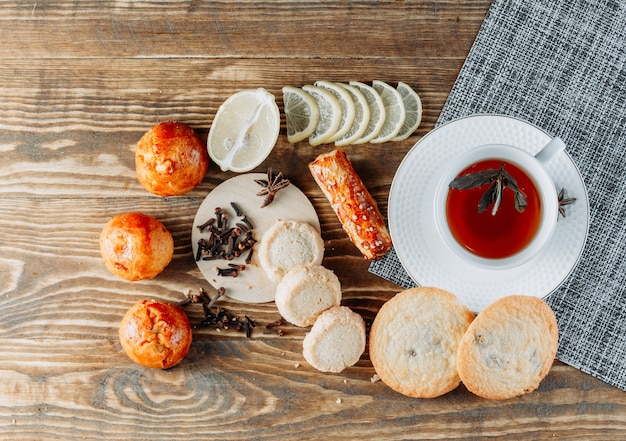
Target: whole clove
[(206, 225), (278, 332), (230, 247), (213, 257), (218, 217), (236, 208), (201, 247), (242, 227), (270, 328), (225, 220), (246, 221), (219, 293), (227, 272), (249, 257), (249, 324), (279, 322)]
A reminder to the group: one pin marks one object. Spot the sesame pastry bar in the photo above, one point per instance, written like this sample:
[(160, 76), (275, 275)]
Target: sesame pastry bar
[(358, 212)]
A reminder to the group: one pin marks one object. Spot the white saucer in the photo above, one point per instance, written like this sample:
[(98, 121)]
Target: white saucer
[(252, 284), (420, 248)]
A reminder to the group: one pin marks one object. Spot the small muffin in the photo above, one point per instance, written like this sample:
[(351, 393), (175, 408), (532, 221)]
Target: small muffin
[(509, 348), (287, 244), (136, 246), (155, 334), (305, 292), (414, 341), (171, 159), (336, 340)]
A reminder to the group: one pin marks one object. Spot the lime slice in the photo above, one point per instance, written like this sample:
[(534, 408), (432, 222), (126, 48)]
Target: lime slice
[(394, 109), (361, 117), (413, 109), (330, 114), (347, 107), (377, 112), (244, 131), (301, 113)]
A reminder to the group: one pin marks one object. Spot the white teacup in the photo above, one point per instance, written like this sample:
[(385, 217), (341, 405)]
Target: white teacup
[(533, 167)]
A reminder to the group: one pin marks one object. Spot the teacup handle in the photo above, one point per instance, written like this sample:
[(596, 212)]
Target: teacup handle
[(550, 150)]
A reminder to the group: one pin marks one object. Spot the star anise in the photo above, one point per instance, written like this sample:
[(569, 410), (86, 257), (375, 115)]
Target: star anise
[(564, 201), (274, 182)]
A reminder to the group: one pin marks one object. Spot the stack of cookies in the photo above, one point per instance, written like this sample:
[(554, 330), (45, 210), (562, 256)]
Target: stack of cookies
[(308, 294)]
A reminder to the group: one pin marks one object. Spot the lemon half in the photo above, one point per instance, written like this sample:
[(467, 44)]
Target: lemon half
[(244, 131)]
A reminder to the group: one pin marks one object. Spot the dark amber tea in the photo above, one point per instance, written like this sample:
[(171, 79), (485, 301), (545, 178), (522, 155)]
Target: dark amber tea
[(499, 233)]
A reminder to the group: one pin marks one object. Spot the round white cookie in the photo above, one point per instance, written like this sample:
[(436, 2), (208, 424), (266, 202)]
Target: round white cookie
[(305, 292), (289, 243), (336, 340), (414, 341), (509, 348)]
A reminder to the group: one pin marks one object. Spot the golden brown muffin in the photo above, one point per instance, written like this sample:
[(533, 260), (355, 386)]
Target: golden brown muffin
[(136, 246), (171, 159), (155, 334)]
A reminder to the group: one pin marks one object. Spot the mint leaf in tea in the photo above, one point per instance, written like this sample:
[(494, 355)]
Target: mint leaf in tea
[(515, 214), (498, 178)]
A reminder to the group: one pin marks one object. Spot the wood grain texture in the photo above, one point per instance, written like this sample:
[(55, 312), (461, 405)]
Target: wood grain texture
[(80, 83)]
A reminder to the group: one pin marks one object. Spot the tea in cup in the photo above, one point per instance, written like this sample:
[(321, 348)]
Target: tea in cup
[(496, 207)]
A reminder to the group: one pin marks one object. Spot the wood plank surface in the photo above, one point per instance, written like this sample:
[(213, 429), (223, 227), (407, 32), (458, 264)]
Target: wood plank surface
[(80, 83)]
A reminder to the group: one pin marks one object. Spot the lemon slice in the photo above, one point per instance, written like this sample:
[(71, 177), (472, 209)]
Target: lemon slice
[(394, 109), (330, 114), (348, 109), (377, 112), (244, 131), (301, 112), (361, 117), (413, 108)]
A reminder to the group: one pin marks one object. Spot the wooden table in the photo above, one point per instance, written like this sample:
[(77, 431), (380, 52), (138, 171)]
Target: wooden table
[(81, 82)]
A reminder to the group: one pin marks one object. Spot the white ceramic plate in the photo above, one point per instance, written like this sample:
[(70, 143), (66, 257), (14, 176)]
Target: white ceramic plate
[(420, 248), (252, 284)]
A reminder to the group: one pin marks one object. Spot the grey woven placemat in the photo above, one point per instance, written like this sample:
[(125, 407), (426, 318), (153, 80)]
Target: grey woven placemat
[(561, 65)]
